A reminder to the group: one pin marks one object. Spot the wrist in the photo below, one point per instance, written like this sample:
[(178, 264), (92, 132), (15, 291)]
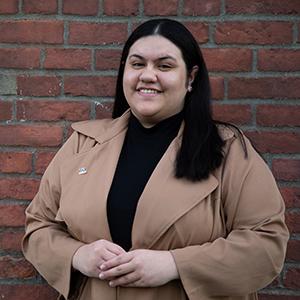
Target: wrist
[(174, 274), (75, 259)]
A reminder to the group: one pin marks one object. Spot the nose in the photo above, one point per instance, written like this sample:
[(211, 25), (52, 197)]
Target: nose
[(148, 75)]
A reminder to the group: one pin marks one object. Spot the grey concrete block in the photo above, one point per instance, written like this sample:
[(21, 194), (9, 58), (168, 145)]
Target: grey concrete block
[(8, 85)]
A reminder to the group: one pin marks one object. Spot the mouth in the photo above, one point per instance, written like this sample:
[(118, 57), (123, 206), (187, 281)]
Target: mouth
[(148, 91)]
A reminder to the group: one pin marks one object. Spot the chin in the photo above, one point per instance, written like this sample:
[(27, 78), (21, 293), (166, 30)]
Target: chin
[(145, 114), (146, 110)]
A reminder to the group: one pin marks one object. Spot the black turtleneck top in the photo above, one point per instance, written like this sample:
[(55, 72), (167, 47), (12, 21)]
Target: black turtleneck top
[(141, 152)]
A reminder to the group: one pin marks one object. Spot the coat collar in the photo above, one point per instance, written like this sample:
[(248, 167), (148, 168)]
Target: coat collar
[(105, 129), (165, 198)]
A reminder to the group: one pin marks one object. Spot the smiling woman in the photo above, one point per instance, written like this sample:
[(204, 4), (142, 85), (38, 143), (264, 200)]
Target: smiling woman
[(155, 79), (162, 201)]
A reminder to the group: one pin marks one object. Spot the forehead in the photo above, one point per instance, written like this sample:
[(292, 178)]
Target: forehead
[(155, 46)]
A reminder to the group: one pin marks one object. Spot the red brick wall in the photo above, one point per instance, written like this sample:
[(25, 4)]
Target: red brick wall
[(58, 62)]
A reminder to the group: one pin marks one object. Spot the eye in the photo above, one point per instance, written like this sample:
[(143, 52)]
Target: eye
[(164, 67), (137, 65)]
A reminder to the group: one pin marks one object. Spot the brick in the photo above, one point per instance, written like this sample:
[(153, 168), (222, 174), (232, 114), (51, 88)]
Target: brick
[(42, 161), (9, 7), (291, 279), (236, 114), (293, 250), (25, 292), (217, 87), (108, 59), (104, 110), (275, 142), (160, 8), (291, 196), (31, 31), (264, 88), (259, 33), (11, 240), (68, 59), (121, 8), (292, 220), (97, 34), (12, 215), (278, 115), (20, 58), (202, 8), (8, 85), (18, 188), (228, 60), (81, 7), (40, 110), (286, 169), (15, 162), (38, 86), (199, 30), (273, 7), (90, 85), (278, 60), (11, 267), (31, 135), (40, 7), (5, 110)]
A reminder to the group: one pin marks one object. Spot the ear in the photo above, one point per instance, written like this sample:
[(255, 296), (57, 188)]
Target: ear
[(192, 74)]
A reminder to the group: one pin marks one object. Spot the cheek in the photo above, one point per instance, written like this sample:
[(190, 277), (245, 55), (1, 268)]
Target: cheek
[(175, 82), (129, 79)]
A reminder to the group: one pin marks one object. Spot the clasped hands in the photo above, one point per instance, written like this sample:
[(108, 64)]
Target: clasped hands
[(137, 268)]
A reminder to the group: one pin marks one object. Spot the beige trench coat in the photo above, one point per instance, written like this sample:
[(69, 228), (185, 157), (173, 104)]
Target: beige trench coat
[(226, 233)]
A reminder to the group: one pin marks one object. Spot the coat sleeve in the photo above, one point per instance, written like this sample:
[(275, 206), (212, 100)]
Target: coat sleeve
[(47, 243), (252, 254)]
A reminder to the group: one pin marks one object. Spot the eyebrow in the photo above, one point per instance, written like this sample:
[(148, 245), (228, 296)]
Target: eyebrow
[(160, 58)]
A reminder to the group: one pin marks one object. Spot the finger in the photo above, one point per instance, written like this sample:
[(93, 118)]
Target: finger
[(118, 271), (114, 248), (116, 261), (128, 279), (107, 255)]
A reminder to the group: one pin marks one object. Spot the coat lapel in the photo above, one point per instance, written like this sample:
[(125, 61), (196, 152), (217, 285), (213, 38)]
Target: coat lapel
[(84, 197), (165, 199)]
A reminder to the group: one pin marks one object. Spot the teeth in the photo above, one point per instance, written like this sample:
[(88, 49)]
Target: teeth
[(148, 91)]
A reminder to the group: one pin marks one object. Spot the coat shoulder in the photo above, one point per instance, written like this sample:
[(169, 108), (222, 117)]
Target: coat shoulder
[(228, 132), (232, 135)]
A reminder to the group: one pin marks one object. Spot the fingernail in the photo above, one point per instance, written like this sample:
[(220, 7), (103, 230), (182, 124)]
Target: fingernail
[(111, 284), (101, 267), (101, 275)]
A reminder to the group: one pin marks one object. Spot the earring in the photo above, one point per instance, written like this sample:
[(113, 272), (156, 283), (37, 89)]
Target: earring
[(190, 86)]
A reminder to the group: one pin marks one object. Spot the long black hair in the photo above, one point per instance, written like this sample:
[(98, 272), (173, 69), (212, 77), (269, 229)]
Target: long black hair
[(201, 149)]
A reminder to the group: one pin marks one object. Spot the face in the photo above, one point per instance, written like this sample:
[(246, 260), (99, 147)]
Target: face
[(155, 79)]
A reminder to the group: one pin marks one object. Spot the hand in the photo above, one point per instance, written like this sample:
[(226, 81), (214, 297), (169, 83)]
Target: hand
[(140, 268), (88, 258)]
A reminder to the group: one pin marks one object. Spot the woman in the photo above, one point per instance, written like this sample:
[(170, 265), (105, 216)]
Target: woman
[(161, 202)]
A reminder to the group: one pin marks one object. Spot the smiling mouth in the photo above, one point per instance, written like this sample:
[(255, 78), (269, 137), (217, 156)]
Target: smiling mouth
[(148, 91)]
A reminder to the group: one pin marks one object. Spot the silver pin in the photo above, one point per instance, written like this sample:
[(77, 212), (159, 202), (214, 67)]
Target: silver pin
[(82, 171)]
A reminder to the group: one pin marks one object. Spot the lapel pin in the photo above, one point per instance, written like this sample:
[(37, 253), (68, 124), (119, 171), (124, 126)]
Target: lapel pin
[(82, 171)]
